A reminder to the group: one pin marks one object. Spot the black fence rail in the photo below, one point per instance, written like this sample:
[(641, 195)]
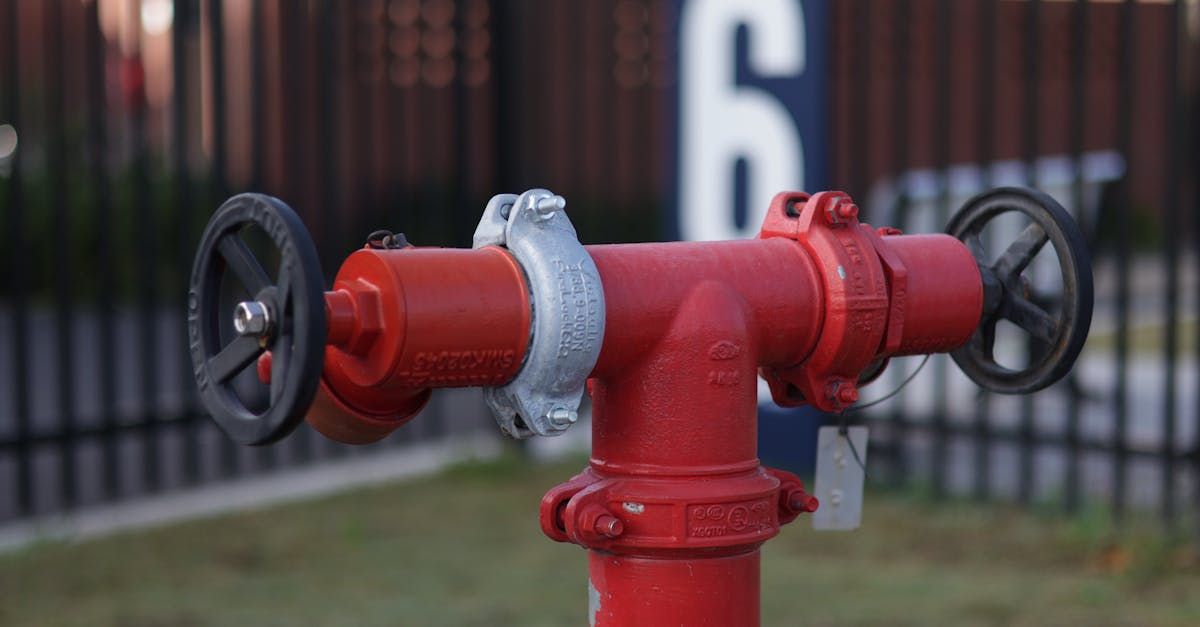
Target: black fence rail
[(135, 119)]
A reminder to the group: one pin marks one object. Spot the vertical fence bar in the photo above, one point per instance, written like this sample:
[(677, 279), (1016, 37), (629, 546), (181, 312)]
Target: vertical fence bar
[(577, 86), (644, 126), (901, 24), (1171, 218), (216, 49), (1192, 163), (438, 193), (504, 122), (290, 27), (15, 245), (258, 119), (989, 12), (331, 238), (1032, 92), (860, 100), (181, 30), (463, 180), (98, 155), (1077, 116), (57, 173), (362, 124), (942, 125), (218, 184), (146, 241), (267, 456), (1125, 52)]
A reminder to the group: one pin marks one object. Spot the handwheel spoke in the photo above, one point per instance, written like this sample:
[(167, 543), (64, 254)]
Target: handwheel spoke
[(234, 358), (244, 265), (1018, 255), (1033, 319)]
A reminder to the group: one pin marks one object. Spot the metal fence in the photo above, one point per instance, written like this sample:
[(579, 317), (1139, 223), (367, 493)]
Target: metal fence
[(1096, 102), (136, 118)]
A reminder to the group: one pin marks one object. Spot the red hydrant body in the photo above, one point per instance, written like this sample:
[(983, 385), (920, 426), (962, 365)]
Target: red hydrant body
[(674, 505)]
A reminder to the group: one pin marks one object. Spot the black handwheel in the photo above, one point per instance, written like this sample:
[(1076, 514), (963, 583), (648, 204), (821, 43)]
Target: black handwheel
[(1007, 295), (285, 316)]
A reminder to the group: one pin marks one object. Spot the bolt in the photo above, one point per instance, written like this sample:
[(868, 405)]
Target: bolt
[(842, 393), (251, 318), (843, 210), (803, 502), (545, 206), (562, 417), (847, 394), (610, 526)]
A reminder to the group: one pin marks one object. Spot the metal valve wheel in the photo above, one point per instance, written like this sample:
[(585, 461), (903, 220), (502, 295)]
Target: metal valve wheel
[(285, 316), (1057, 337)]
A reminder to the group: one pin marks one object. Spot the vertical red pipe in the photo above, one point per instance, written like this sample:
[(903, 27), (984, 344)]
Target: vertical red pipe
[(627, 590), (688, 406), (685, 412)]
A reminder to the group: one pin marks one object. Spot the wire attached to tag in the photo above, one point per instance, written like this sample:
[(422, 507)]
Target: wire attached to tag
[(905, 382), (844, 426), (843, 432)]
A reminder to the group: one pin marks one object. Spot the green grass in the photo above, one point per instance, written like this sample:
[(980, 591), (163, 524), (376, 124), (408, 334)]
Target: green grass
[(464, 548)]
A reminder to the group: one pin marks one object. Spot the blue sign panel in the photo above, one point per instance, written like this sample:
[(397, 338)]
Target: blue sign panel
[(751, 111), (751, 120)]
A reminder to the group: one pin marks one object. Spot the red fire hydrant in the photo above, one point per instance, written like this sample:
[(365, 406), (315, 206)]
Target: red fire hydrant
[(668, 338)]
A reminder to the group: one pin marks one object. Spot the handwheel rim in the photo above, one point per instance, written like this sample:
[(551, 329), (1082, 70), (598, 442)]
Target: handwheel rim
[(1059, 229), (294, 299)]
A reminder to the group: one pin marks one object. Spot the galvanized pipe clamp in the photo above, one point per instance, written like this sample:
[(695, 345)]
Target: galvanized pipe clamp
[(567, 299)]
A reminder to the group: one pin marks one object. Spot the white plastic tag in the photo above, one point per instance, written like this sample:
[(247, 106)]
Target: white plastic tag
[(840, 478)]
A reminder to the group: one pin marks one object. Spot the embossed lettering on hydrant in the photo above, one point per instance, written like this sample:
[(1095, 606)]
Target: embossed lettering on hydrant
[(579, 310), (715, 520)]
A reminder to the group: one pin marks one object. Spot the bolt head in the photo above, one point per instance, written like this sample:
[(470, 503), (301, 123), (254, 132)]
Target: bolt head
[(840, 210), (847, 394), (803, 502), (610, 526)]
